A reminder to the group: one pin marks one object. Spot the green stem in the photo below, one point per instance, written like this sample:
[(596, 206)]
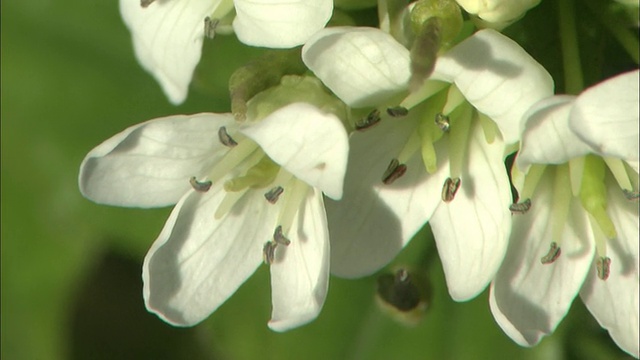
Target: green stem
[(574, 82), (626, 38)]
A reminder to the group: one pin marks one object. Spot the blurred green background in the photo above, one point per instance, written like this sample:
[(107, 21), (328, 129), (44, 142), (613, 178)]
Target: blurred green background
[(71, 270)]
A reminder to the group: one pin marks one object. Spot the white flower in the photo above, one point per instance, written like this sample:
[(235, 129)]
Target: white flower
[(584, 206), (168, 34), (501, 12), (256, 187), (376, 219)]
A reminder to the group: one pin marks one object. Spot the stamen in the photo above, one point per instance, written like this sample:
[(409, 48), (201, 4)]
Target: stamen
[(369, 120), (443, 122), (521, 207), (269, 252), (200, 186), (296, 193), (552, 255), (279, 238), (229, 200), (450, 188), (393, 172), (631, 195), (397, 111), (225, 138), (246, 150), (210, 26), (603, 267), (145, 3), (273, 195), (619, 172)]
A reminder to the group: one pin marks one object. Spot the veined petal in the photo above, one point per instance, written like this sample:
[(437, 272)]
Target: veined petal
[(496, 76), (197, 262), (280, 23), (529, 299), (547, 138), (362, 66), (471, 231), (167, 38), (300, 274), (374, 221), (150, 164), (310, 144), (614, 302), (606, 116)]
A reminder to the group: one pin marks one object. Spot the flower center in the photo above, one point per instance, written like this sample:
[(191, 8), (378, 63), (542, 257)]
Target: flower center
[(583, 178), (439, 110), (246, 167)]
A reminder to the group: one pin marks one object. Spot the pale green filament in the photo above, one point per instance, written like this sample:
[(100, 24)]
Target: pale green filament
[(430, 88), (428, 131), (616, 166), (599, 237), (429, 157), (294, 195), (454, 99), (459, 138), (489, 128), (259, 175), (576, 169), (561, 202), (230, 199), (593, 194), (531, 181), (410, 148), (233, 158)]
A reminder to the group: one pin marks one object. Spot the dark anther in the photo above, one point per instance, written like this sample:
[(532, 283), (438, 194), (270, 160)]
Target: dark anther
[(279, 238), (269, 252), (631, 195), (145, 3), (273, 195), (397, 111), (552, 255), (200, 186), (369, 120), (521, 207), (443, 122), (603, 266), (450, 188), (210, 26), (225, 138), (393, 172)]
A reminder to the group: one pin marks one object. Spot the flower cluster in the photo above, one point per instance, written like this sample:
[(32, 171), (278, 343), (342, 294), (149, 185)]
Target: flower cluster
[(398, 126)]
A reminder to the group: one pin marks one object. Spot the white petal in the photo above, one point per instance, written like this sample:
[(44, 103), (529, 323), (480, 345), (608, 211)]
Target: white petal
[(496, 76), (150, 164), (498, 11), (606, 116), (300, 275), (547, 138), (614, 302), (374, 221), (528, 299), (310, 144), (362, 66), (197, 262), (471, 231), (167, 38), (279, 23)]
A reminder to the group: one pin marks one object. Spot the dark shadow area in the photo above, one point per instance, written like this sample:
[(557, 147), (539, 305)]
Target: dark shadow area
[(108, 319)]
